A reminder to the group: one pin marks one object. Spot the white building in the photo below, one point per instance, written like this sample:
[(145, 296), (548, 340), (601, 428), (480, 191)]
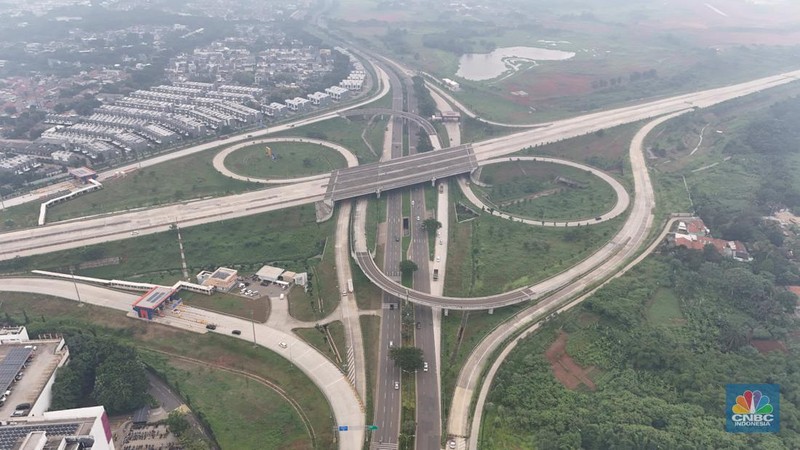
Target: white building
[(337, 92)]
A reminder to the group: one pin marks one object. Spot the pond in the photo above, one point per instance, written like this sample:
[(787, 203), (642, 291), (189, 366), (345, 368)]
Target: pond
[(485, 66)]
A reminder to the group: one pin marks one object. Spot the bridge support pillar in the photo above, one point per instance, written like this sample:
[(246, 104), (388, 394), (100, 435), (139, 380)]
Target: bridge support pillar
[(433, 182), (491, 311), (446, 311), (378, 192)]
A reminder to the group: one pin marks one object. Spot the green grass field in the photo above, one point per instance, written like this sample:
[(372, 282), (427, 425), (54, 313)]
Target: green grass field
[(529, 189), (234, 305), (184, 178), (242, 413), (288, 237), (458, 343), (665, 309), (370, 329), (293, 159), (316, 338), (51, 313), (324, 296), (343, 131), (489, 255)]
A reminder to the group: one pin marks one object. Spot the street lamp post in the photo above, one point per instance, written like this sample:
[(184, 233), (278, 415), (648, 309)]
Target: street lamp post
[(253, 322), (75, 283)]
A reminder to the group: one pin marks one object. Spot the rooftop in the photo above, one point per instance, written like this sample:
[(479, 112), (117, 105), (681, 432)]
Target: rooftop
[(223, 273), (82, 172), (154, 297), (37, 371), (270, 272)]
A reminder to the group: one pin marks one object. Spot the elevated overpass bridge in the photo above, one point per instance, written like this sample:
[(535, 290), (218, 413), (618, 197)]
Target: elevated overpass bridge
[(399, 173), (423, 122)]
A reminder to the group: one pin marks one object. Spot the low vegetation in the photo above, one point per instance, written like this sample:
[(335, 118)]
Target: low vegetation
[(546, 191), (287, 160), (651, 371), (248, 413)]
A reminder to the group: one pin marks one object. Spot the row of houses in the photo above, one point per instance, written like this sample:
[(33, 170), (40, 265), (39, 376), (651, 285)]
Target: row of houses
[(151, 118), (694, 235)]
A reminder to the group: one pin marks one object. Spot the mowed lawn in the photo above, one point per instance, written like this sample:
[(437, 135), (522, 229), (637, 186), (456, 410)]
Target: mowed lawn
[(292, 159), (530, 189)]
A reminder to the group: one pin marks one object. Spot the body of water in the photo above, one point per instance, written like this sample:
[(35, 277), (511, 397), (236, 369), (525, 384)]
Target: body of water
[(485, 66)]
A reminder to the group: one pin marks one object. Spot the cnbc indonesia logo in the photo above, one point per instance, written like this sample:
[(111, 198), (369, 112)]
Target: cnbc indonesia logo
[(752, 408)]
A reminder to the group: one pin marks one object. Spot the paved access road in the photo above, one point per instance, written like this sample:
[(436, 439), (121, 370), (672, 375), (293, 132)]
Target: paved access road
[(400, 172), (110, 227), (43, 240), (328, 378), (635, 232)]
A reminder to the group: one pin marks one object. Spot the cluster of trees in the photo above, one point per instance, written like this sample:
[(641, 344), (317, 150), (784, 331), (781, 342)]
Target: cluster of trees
[(408, 359), (423, 142), (101, 371), (660, 384), (766, 143), (427, 106)]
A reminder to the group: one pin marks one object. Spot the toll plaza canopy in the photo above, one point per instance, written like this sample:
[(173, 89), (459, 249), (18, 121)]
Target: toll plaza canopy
[(152, 302)]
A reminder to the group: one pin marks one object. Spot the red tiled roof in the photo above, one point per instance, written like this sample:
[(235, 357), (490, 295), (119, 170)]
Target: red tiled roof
[(794, 289)]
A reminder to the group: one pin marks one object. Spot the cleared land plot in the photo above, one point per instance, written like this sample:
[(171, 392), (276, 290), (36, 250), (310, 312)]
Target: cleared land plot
[(665, 309), (292, 159), (546, 191), (52, 313), (564, 367)]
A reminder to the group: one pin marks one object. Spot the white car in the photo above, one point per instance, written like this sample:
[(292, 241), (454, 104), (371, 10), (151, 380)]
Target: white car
[(438, 258), (397, 385), (282, 345), (424, 367)]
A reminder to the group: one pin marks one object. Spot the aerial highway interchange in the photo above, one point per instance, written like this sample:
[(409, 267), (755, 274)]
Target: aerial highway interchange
[(387, 178)]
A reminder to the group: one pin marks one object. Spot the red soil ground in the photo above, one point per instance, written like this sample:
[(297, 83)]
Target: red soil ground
[(564, 367), (764, 346)]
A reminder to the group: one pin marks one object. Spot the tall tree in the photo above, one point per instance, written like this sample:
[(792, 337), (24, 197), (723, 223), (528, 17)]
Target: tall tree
[(408, 359)]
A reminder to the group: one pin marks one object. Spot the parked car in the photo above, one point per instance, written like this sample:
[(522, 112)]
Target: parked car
[(211, 326), (236, 332)]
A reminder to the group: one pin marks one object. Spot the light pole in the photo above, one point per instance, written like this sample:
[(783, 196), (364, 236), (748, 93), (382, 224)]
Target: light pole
[(252, 321), (75, 283)]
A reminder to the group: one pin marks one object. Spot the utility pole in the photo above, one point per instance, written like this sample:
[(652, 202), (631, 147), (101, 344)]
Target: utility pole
[(252, 321), (75, 283)]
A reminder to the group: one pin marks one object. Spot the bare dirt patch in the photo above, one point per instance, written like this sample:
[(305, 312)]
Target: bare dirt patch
[(766, 346), (564, 367)]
